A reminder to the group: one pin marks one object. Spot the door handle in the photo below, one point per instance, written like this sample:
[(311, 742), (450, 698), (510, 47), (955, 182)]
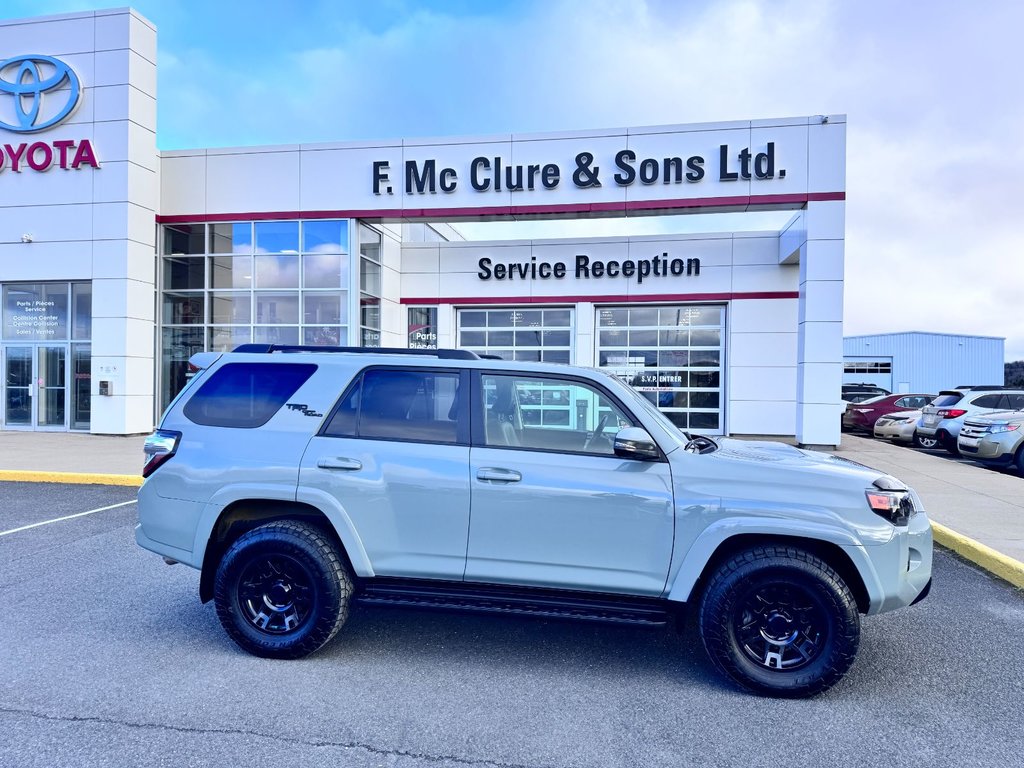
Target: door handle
[(497, 475), (339, 462)]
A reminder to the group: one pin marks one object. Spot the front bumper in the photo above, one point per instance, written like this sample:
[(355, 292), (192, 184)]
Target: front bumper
[(901, 569), (895, 431), (993, 449)]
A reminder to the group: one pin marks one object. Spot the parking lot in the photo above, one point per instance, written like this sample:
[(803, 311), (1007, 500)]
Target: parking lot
[(110, 659)]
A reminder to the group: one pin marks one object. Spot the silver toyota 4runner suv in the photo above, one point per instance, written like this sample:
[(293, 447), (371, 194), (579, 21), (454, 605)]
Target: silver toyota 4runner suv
[(300, 481)]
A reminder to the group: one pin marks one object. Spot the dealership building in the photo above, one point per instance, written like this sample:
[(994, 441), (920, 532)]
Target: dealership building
[(119, 261)]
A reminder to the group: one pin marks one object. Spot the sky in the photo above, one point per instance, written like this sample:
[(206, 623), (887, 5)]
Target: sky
[(933, 93)]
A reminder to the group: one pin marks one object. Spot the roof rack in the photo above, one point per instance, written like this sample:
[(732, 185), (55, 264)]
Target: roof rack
[(442, 354), (985, 387)]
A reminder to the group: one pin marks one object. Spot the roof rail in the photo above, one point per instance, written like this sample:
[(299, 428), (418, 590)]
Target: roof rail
[(443, 354), (985, 387)]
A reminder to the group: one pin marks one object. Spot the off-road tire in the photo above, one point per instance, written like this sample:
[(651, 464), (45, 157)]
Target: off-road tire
[(282, 590), (780, 570)]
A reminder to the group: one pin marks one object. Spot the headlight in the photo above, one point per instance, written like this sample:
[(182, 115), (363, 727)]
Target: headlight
[(895, 506)]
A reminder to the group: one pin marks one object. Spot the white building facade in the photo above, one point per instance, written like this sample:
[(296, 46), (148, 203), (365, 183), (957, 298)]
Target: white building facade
[(117, 262)]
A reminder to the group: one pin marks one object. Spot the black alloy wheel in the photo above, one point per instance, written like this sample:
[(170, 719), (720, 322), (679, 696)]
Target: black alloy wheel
[(780, 625), (282, 590), (779, 621)]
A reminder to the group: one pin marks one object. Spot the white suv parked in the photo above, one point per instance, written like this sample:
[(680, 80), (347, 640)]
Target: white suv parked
[(299, 481), (943, 418)]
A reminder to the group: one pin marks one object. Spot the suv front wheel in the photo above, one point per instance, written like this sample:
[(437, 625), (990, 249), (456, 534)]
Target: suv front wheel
[(282, 590), (779, 621)]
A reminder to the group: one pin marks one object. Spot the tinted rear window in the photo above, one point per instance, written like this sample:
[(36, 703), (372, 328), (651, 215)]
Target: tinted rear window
[(246, 395), (943, 401)]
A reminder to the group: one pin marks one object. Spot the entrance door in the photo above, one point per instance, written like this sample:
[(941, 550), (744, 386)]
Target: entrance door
[(18, 388), (35, 387)]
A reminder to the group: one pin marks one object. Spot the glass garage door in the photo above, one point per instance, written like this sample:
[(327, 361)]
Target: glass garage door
[(537, 335), (673, 355)]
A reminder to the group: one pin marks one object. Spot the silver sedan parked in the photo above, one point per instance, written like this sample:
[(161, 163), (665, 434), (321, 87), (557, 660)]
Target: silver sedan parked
[(900, 427)]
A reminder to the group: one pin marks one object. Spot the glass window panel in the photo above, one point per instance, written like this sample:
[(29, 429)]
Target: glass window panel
[(323, 336), (184, 308), (675, 358), (231, 238), (704, 357), (643, 316), (643, 338), (557, 339), (422, 328), (370, 337), (225, 339), (277, 237), (184, 274), (677, 337), (178, 345), (471, 319), (275, 335), (704, 315), (81, 380), (527, 355), (81, 311), (614, 338), (534, 318), (678, 418), (231, 271), (231, 308), (273, 308), (501, 338), (709, 421), (369, 243), (182, 239), (704, 399), (526, 338), (705, 379), (324, 308), (325, 236), (611, 317), (369, 277), (558, 317), (556, 356), (325, 270), (705, 338), (473, 339), (277, 271), (369, 312)]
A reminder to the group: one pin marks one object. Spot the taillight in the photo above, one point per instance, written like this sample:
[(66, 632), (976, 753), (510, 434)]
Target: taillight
[(951, 413), (159, 447)]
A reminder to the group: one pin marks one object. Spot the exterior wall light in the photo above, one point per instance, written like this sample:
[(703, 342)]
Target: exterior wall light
[(26, 238)]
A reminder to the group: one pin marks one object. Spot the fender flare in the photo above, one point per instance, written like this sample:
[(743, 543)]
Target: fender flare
[(695, 560)]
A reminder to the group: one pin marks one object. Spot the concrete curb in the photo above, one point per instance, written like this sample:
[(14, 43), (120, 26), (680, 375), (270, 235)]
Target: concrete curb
[(74, 478), (996, 563)]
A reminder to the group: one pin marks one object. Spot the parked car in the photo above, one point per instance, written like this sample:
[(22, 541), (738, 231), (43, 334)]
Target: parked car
[(996, 439), (863, 415), (299, 481), (901, 427), (856, 393), (943, 418)]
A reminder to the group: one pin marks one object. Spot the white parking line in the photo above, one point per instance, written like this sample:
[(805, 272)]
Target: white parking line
[(67, 517)]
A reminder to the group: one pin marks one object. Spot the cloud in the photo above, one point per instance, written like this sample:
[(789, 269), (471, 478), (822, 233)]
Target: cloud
[(932, 92)]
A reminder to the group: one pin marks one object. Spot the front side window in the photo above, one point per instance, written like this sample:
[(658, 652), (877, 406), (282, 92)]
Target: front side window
[(408, 405), (549, 414)]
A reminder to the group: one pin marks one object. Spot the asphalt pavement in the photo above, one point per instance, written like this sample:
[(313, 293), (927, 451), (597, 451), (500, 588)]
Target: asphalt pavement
[(110, 659)]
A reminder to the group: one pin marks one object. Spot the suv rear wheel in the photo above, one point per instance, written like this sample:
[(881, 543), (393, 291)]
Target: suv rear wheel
[(282, 590), (780, 622)]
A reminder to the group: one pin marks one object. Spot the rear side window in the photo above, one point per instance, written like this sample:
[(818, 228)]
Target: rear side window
[(987, 401), (944, 401), (1016, 402), (246, 395), (416, 406)]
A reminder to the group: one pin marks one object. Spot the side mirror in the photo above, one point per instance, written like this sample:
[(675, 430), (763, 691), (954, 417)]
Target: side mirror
[(635, 443)]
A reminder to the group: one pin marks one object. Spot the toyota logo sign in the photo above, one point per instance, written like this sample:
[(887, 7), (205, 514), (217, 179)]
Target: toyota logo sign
[(27, 79)]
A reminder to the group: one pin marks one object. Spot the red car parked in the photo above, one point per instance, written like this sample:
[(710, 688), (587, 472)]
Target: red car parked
[(863, 415)]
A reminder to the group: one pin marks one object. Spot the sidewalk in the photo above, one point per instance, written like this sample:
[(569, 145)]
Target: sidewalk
[(982, 504)]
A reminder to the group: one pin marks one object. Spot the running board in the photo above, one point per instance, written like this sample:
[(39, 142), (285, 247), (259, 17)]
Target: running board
[(545, 603)]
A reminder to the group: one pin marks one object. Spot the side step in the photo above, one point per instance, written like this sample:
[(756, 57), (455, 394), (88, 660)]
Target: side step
[(489, 598)]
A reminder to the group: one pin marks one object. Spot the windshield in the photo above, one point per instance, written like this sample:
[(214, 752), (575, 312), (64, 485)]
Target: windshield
[(946, 400)]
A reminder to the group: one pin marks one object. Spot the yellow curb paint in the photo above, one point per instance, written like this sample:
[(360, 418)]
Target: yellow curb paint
[(74, 478), (996, 563)]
